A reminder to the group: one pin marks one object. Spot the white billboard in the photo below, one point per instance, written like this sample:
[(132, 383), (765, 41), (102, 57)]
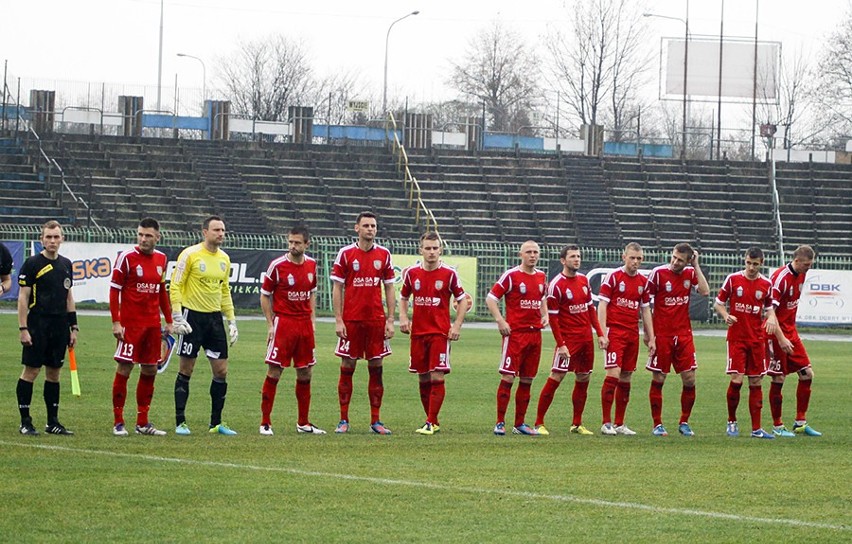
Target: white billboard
[(92, 266), (826, 298), (738, 75)]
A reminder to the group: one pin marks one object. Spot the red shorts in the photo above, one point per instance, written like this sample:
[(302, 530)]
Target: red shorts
[(581, 361), (364, 340), (140, 345), (622, 351), (292, 341), (429, 353), (676, 352), (521, 354), (747, 358), (781, 363)]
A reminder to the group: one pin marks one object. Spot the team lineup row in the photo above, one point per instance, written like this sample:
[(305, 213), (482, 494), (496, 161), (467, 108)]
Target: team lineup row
[(760, 313)]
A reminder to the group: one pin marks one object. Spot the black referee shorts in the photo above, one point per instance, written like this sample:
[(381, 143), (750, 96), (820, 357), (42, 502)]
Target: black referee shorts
[(50, 335), (208, 332)]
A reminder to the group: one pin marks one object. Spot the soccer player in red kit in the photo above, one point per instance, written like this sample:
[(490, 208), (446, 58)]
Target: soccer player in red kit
[(524, 287), (788, 354), (747, 295), (669, 287), (622, 299), (288, 301), (572, 317), (361, 324), (137, 296), (432, 284)]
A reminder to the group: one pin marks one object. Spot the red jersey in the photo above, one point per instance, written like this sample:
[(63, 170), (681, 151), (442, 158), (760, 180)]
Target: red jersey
[(362, 274), (624, 295), (746, 300), (670, 294), (786, 290), (432, 290), (572, 313), (290, 285), (138, 279), (524, 293)]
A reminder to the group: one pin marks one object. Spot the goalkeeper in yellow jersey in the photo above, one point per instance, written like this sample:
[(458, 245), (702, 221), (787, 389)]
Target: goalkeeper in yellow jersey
[(201, 297)]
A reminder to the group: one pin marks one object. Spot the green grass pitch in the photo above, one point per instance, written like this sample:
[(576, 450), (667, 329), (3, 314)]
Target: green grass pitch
[(461, 485)]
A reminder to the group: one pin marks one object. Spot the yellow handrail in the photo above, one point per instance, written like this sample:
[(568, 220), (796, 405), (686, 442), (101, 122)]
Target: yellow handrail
[(410, 184)]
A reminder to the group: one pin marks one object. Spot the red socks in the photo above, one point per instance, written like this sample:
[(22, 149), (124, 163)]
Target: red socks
[(267, 400), (545, 399), (425, 395), (436, 400), (775, 401), (504, 393), (687, 400), (144, 394), (522, 402), (119, 395), (607, 395), (375, 390), (344, 391), (803, 398), (303, 401), (655, 395), (578, 400), (734, 400), (622, 397), (755, 405)]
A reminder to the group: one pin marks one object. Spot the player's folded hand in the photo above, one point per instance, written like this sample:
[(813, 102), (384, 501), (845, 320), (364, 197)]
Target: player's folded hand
[(233, 333), (179, 324)]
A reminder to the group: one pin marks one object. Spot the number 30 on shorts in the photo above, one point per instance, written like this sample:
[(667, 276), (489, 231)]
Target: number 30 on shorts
[(185, 348)]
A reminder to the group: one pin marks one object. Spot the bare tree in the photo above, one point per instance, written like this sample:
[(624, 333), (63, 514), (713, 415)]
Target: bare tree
[(835, 77), (600, 62), (500, 71), (330, 97), (794, 110), (264, 76)]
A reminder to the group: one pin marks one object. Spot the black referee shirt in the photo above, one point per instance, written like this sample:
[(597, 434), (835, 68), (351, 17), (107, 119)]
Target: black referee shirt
[(50, 282), (5, 261)]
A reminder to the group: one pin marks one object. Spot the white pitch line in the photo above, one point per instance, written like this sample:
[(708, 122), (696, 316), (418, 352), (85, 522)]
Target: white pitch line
[(443, 487)]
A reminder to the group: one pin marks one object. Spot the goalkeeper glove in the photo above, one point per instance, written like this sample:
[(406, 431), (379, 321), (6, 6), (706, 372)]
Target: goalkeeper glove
[(179, 324), (233, 333)]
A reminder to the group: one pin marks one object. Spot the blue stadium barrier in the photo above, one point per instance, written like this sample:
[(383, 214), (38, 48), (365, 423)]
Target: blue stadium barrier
[(156, 120), (626, 149), (509, 141), (351, 132)]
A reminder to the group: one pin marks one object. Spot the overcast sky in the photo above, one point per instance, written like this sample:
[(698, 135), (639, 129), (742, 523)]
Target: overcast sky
[(117, 40)]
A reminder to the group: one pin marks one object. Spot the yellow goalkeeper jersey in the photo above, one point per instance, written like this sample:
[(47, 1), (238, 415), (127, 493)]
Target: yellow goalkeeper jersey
[(200, 282)]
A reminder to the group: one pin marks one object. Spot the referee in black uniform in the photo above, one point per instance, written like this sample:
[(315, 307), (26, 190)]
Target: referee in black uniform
[(47, 319), (6, 265)]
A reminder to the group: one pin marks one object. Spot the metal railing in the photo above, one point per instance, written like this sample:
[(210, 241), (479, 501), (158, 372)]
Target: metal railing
[(63, 186), (415, 195)]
